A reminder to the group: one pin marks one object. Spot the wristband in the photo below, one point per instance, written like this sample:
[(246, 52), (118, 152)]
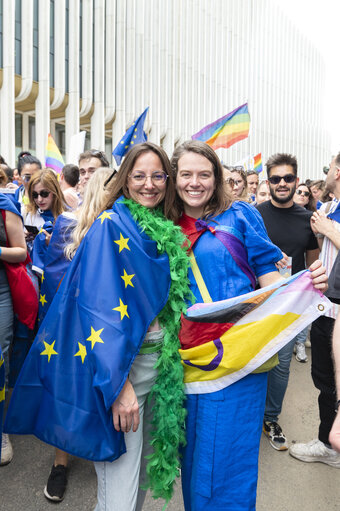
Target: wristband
[(0, 251), (337, 403)]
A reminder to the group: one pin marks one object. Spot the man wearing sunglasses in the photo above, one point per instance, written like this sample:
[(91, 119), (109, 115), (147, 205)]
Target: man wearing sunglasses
[(288, 226)]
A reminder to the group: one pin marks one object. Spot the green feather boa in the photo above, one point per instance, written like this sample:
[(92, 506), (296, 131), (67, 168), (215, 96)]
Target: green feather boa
[(168, 423)]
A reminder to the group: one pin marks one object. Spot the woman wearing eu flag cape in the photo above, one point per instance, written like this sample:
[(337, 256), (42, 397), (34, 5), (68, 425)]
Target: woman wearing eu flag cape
[(103, 379), (229, 249)]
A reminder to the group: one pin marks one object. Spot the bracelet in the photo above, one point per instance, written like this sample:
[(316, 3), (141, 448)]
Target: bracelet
[(337, 405), (0, 251), (320, 235)]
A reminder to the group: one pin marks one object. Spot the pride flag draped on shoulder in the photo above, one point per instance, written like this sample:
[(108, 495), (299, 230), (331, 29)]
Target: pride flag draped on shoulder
[(224, 341), (89, 338), (227, 130)]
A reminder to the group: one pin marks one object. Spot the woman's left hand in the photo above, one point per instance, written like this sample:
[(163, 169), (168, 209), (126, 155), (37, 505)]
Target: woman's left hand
[(47, 236), (319, 277)]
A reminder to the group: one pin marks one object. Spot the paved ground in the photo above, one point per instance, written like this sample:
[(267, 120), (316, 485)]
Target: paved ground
[(285, 484)]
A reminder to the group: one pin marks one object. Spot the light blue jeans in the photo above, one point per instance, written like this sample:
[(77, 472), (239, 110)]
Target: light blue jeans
[(278, 379), (119, 481)]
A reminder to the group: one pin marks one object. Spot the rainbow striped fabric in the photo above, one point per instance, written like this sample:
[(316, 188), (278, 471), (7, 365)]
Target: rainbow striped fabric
[(227, 130), (258, 163), (221, 342), (53, 158)]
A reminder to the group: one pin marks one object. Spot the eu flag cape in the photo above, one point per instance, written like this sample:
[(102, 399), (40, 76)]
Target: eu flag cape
[(224, 341), (115, 286)]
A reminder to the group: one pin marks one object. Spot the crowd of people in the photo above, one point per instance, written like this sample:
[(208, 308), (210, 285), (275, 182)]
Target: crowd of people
[(150, 233)]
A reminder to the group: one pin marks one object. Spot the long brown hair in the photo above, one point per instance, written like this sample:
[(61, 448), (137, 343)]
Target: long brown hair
[(48, 179), (220, 199), (119, 186)]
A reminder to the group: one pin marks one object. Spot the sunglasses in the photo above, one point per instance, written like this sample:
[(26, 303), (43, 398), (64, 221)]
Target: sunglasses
[(230, 181), (288, 178), (44, 194), (300, 192)]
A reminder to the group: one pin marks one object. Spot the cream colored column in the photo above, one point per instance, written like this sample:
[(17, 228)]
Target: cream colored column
[(7, 117), (26, 51), (42, 104), (98, 117)]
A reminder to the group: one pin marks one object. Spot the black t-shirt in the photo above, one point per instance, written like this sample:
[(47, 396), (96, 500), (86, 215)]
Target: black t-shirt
[(333, 291), (289, 229)]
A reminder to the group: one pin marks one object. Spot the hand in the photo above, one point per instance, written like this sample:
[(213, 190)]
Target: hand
[(125, 409), (48, 236), (12, 186), (320, 224), (334, 436), (318, 275), (283, 262)]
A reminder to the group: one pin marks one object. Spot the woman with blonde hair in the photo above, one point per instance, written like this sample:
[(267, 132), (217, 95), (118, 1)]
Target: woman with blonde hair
[(69, 230), (240, 190)]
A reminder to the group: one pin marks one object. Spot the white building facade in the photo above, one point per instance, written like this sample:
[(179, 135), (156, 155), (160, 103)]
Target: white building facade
[(95, 65)]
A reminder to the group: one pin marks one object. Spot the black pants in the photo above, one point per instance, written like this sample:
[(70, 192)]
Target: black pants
[(323, 373)]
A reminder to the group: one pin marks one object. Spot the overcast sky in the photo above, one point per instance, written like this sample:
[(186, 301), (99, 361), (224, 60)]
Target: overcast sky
[(320, 22)]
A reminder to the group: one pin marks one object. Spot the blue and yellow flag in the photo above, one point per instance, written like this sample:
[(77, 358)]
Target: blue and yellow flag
[(224, 341), (115, 286), (134, 135)]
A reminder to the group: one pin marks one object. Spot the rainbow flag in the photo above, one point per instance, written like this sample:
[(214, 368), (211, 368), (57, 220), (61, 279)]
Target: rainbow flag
[(221, 342), (53, 158), (258, 163), (227, 130)]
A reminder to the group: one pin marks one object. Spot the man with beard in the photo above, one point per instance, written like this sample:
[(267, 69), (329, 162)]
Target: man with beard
[(288, 226), (326, 224)]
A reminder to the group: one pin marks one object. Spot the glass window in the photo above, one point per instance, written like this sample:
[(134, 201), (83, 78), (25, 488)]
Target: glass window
[(108, 148), (60, 138), (18, 132), (35, 41), (52, 43), (18, 37), (31, 134)]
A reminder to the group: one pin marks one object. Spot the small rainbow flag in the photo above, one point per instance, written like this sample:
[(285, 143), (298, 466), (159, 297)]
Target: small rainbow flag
[(53, 158), (258, 163), (227, 130)]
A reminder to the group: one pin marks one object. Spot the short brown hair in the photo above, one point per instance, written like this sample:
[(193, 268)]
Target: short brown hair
[(94, 153), (220, 200), (281, 159)]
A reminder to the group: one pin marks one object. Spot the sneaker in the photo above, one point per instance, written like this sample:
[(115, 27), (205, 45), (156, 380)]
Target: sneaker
[(301, 352), (315, 451), (56, 483), (276, 438), (6, 450)]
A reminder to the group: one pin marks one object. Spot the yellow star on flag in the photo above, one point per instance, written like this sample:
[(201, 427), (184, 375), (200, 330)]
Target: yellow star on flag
[(95, 336), (2, 394), (42, 277), (49, 350), (43, 300), (1, 361), (127, 279), (41, 230), (122, 243), (82, 352), (122, 309), (105, 215)]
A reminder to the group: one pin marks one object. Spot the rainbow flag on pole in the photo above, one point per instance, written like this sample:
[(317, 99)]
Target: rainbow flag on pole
[(227, 130), (258, 163), (224, 341), (251, 163), (53, 158)]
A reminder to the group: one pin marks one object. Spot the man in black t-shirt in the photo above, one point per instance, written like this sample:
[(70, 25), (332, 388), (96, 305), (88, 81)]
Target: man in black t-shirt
[(288, 226)]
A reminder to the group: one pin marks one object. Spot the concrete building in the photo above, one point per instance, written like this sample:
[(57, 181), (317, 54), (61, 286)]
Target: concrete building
[(94, 65)]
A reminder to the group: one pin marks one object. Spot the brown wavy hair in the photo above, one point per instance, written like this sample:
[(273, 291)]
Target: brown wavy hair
[(48, 178), (220, 199), (119, 186)]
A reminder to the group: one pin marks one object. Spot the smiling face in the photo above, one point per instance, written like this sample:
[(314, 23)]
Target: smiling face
[(152, 191), (195, 183), (282, 193), (43, 203)]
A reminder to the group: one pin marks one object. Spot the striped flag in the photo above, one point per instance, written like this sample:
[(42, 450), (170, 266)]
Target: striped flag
[(251, 163), (53, 158), (227, 130), (221, 342)]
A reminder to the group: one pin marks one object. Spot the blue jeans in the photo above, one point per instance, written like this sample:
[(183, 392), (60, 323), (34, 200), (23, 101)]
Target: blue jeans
[(6, 319), (278, 379)]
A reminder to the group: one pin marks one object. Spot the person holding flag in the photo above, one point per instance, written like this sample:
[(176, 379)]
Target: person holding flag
[(229, 250), (103, 379)]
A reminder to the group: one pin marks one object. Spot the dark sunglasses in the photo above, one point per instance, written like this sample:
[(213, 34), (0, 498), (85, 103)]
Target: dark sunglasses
[(288, 178), (44, 194), (305, 194)]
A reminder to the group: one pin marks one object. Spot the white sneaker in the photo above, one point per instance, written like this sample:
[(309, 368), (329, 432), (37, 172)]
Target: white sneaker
[(315, 451), (300, 352), (6, 450)]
